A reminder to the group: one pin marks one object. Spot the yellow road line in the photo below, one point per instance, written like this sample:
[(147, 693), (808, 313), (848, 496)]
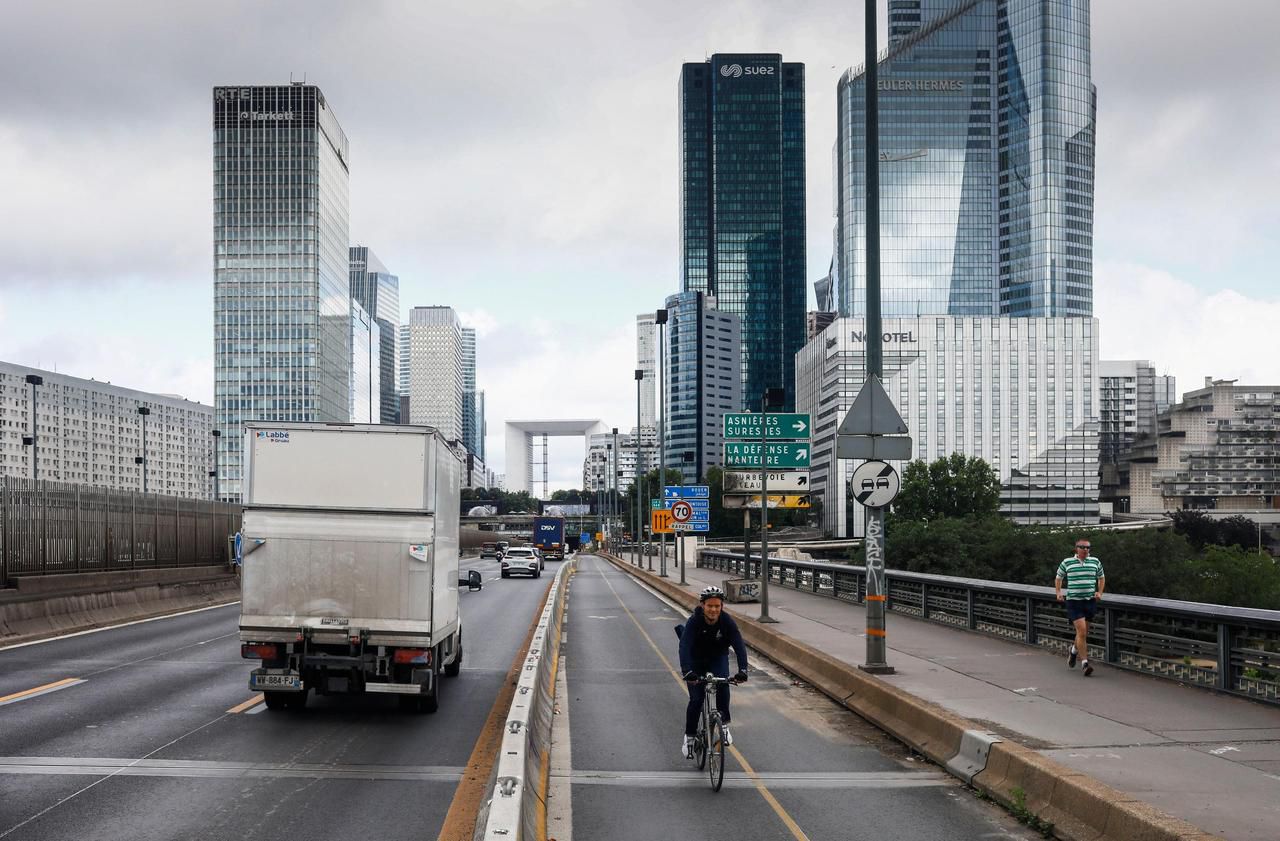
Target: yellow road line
[(794, 828), (48, 687), (252, 702)]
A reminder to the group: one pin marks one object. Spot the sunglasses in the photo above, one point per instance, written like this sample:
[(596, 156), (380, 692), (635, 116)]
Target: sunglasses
[(1083, 546)]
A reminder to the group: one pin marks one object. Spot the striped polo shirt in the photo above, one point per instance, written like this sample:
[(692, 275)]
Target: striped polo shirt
[(1080, 576)]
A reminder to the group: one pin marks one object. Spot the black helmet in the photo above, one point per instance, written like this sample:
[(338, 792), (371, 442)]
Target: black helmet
[(712, 592)]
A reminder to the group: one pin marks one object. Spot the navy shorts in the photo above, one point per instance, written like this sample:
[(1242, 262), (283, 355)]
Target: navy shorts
[(1080, 609)]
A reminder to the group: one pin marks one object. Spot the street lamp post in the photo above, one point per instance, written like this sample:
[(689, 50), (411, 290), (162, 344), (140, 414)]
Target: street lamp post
[(687, 457), (142, 460), (217, 435), (33, 440), (639, 552), (772, 398), (613, 497), (660, 319)]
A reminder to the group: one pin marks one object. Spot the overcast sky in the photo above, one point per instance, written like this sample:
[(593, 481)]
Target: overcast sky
[(518, 161)]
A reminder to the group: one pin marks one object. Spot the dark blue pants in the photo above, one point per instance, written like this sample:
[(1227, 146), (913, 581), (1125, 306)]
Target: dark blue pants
[(697, 694)]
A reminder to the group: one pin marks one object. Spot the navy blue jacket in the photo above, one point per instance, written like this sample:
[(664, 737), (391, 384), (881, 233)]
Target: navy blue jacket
[(705, 648)]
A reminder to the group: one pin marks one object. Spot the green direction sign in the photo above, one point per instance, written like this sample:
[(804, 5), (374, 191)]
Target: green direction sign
[(781, 455), (739, 425), (657, 504)]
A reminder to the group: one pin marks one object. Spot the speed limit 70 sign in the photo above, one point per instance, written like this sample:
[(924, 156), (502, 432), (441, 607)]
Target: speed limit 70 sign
[(681, 511), (874, 484)]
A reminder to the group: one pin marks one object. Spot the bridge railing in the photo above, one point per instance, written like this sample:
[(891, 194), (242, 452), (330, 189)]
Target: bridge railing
[(51, 527), (1231, 649)]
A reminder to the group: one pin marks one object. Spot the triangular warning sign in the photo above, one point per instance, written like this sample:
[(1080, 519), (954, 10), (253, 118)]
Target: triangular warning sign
[(872, 412)]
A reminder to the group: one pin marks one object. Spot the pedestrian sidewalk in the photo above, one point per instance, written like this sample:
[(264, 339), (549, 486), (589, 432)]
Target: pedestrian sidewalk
[(1210, 759)]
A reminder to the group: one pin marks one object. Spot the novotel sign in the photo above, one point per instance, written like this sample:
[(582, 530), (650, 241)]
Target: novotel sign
[(908, 337)]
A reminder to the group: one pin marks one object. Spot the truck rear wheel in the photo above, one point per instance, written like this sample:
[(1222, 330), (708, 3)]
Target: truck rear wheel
[(276, 700), (452, 669)]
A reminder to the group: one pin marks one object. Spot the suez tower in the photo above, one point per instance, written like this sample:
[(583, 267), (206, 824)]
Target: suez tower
[(742, 206)]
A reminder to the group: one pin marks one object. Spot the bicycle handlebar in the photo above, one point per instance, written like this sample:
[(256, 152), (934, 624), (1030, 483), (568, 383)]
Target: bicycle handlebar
[(712, 680)]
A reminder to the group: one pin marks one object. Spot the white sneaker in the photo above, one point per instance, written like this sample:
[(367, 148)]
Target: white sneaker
[(686, 748), (728, 737)]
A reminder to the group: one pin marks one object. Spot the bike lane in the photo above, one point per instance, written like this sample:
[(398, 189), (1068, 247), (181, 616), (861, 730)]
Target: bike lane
[(800, 768)]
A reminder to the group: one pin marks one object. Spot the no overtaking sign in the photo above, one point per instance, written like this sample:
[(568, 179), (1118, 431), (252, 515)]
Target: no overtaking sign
[(875, 484)]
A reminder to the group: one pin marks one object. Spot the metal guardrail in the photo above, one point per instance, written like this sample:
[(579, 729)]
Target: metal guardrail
[(56, 527), (1231, 649)]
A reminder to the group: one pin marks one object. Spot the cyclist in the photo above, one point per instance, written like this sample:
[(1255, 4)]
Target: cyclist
[(705, 640)]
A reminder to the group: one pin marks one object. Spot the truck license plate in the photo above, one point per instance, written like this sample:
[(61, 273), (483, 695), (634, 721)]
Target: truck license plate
[(259, 681)]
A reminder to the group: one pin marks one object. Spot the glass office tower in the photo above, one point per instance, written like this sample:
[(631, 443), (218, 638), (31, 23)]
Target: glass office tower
[(282, 305), (743, 206), (986, 162), (378, 291)]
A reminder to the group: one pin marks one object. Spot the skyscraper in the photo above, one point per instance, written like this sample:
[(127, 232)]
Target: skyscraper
[(703, 346), (378, 292), (282, 313), (743, 206), (470, 431), (986, 162), (646, 360), (366, 348), (435, 370)]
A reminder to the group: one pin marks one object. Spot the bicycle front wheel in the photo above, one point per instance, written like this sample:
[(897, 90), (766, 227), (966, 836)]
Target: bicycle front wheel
[(715, 753)]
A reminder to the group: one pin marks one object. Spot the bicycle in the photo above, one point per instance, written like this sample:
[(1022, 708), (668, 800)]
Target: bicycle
[(708, 742)]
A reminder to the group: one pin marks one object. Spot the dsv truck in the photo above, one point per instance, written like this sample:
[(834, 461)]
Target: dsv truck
[(548, 536), (350, 562)]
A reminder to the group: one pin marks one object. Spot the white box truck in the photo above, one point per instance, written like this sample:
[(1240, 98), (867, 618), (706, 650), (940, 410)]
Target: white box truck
[(350, 561)]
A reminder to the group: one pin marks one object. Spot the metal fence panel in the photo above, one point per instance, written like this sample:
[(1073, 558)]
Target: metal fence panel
[(57, 527), (1233, 649)]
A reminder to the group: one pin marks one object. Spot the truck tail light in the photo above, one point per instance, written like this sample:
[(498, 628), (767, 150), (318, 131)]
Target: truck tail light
[(416, 656), (259, 651)]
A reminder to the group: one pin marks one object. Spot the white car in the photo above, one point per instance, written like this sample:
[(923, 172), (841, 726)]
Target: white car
[(523, 561)]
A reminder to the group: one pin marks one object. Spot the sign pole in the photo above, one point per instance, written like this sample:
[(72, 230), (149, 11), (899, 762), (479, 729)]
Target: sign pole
[(746, 543), (764, 510), (873, 542)]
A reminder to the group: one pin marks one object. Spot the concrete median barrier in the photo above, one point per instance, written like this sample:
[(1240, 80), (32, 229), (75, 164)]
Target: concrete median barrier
[(517, 807), (50, 605), (1079, 807)]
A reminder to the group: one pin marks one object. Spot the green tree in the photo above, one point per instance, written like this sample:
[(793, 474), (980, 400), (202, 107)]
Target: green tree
[(953, 486), (1233, 576), (1197, 526), (1237, 530)]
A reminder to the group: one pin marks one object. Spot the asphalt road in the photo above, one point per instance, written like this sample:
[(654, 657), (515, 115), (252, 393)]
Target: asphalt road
[(816, 770), (147, 745)]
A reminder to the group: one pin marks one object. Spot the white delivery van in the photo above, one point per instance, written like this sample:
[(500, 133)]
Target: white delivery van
[(350, 561)]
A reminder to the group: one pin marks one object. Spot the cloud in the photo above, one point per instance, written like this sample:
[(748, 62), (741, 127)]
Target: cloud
[(1147, 313), (480, 320)]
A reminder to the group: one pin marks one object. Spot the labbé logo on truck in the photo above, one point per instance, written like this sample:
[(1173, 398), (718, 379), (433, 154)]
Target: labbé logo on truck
[(276, 436)]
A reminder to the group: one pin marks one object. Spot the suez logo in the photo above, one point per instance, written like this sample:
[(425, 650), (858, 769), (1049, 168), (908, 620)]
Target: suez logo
[(735, 71), (275, 436)]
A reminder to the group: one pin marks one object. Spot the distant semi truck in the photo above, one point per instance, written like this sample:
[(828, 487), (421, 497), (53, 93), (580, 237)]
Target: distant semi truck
[(548, 536), (350, 571)]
